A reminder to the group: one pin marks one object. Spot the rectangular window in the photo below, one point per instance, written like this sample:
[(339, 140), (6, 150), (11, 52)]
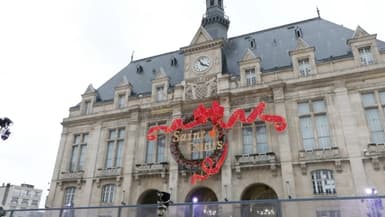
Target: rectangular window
[(150, 152), (35, 203), (160, 95), (24, 203), (247, 139), (115, 144), (202, 144), (161, 142), (251, 78), (255, 138), (323, 182), (374, 105), (261, 139), (155, 151), (79, 151), (108, 193), (69, 196), (366, 56), (304, 67), (328, 213), (314, 125), (121, 101), (14, 200), (87, 107)]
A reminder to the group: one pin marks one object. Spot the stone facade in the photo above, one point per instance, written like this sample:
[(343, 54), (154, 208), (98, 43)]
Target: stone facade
[(342, 159)]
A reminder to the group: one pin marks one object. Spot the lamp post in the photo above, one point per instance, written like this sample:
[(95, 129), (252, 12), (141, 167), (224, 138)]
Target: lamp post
[(163, 203), (4, 128), (374, 203)]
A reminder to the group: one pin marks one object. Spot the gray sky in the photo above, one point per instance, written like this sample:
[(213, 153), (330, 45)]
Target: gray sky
[(50, 50)]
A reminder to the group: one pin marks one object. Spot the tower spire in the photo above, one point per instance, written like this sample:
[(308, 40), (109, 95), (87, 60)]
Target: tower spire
[(215, 21)]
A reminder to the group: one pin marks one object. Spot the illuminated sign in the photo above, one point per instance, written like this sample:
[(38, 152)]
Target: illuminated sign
[(204, 133)]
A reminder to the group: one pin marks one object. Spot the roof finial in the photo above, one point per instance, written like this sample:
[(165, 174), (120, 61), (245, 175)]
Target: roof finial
[(318, 12), (132, 55)]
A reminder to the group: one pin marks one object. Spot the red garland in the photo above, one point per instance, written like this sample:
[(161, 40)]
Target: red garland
[(215, 116), (209, 168)]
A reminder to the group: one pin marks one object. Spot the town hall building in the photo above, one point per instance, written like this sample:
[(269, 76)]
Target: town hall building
[(325, 80)]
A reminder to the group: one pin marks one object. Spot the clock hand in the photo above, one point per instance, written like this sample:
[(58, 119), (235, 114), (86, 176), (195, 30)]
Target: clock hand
[(202, 63)]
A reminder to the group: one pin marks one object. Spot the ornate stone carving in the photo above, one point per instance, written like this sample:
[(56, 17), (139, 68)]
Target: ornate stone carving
[(200, 88)]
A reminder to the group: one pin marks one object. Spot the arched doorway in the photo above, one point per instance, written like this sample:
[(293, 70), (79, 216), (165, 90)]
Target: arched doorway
[(262, 205), (199, 197), (148, 197)]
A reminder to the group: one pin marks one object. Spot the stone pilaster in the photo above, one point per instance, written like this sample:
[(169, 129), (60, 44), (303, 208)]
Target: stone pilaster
[(173, 169), (352, 138), (93, 145), (284, 144), (52, 200)]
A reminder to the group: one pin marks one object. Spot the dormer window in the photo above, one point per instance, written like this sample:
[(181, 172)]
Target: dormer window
[(87, 107), (366, 56), (304, 67), (251, 78), (160, 95), (298, 32), (139, 68), (173, 61), (253, 45), (121, 101)]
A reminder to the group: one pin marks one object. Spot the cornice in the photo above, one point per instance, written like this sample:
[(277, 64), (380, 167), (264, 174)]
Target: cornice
[(361, 39), (93, 118), (203, 46)]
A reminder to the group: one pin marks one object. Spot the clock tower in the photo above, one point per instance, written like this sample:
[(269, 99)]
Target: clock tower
[(203, 58), (215, 21)]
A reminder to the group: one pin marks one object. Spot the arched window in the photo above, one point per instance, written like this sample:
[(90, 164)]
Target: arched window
[(253, 44), (173, 61), (298, 32)]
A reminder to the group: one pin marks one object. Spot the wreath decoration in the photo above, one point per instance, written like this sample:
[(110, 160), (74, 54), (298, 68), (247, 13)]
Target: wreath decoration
[(211, 165), (207, 165)]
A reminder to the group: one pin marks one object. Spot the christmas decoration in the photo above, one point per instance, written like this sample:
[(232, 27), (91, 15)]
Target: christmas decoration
[(211, 165)]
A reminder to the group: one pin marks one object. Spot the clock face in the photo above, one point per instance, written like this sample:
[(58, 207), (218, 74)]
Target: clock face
[(202, 64)]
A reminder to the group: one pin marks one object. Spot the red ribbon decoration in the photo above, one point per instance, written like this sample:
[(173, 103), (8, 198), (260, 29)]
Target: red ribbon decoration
[(210, 170), (215, 115)]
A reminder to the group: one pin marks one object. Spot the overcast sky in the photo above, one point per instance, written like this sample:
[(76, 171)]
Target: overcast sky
[(51, 50)]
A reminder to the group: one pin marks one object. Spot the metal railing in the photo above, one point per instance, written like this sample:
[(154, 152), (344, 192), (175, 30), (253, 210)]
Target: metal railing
[(314, 207)]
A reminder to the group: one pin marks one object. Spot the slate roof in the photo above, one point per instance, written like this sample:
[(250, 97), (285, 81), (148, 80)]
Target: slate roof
[(272, 46)]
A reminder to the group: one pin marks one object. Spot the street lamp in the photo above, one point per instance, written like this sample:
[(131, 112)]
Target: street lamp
[(163, 202), (4, 128), (194, 200), (374, 203)]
